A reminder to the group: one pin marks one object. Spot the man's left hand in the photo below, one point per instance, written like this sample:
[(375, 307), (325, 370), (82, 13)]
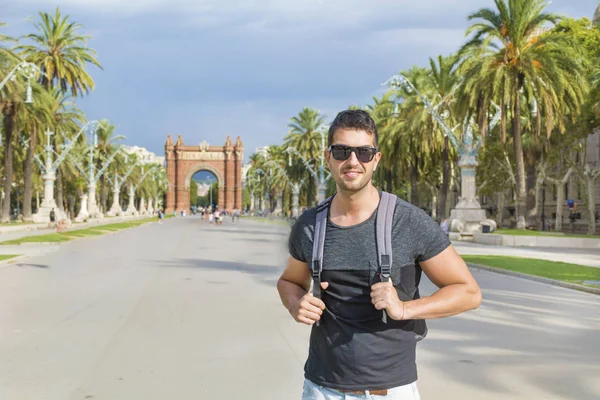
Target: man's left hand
[(384, 296)]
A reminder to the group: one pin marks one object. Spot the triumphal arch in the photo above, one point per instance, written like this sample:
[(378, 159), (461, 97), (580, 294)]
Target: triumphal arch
[(225, 162)]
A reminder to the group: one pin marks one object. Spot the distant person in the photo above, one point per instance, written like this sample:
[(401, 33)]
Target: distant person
[(52, 216)]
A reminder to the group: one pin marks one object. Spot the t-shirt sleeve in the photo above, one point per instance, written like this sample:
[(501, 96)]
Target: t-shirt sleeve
[(428, 237), (297, 241)]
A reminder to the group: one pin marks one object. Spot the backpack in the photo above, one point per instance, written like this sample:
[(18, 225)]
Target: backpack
[(383, 225)]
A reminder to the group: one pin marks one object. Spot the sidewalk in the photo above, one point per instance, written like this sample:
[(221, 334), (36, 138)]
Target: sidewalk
[(36, 249), (589, 257)]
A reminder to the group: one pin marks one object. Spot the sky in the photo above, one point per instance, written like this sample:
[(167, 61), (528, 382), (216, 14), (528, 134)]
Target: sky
[(207, 69)]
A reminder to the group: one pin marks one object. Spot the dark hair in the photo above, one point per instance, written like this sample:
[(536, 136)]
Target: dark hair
[(353, 119)]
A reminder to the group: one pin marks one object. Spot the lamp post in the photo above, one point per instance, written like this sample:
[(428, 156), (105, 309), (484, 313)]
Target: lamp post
[(320, 178), (295, 186), (468, 215), (133, 187), (92, 177), (29, 71), (49, 167), (117, 183)]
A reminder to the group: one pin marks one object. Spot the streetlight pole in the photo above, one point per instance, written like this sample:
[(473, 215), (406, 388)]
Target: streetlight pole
[(92, 177), (28, 70), (320, 178), (49, 167)]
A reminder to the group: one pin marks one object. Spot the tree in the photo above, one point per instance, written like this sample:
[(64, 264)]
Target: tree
[(61, 53), (305, 137), (522, 64)]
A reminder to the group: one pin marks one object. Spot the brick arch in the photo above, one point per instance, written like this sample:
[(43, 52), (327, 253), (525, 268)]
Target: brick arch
[(203, 167), (225, 162)]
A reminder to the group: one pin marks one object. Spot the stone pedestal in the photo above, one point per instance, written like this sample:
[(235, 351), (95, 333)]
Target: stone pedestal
[(295, 199), (143, 210), (115, 209), (131, 206), (48, 203), (93, 210), (150, 207), (468, 216), (83, 212), (279, 205)]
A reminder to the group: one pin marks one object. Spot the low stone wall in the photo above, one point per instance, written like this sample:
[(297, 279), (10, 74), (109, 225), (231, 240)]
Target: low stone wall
[(536, 241)]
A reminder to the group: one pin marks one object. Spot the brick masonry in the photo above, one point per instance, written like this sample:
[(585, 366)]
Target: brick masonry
[(225, 162)]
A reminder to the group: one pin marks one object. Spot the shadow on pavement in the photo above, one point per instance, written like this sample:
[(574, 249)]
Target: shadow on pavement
[(264, 274), (533, 337)]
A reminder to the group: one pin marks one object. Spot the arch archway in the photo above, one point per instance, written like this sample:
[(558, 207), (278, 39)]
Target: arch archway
[(225, 162)]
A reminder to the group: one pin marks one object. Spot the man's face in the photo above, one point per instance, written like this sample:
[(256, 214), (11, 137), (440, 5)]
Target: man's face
[(352, 175)]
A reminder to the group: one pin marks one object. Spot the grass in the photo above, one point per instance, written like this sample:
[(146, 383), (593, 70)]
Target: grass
[(572, 273), (267, 220), (79, 233), (7, 256), (520, 232)]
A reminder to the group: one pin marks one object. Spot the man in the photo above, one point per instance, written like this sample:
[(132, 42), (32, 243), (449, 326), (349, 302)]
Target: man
[(52, 216), (352, 351)]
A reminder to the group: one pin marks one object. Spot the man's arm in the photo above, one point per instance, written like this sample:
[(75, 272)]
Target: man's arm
[(458, 290), (293, 287)]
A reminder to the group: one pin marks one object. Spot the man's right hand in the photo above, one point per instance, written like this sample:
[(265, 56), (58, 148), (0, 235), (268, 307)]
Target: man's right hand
[(309, 309)]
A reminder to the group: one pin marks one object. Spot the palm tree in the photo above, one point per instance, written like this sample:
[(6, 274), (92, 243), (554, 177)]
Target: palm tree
[(443, 80), (304, 136), (61, 53), (106, 146), (525, 63)]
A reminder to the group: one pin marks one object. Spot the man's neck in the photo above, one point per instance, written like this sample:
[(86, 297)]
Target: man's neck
[(353, 208)]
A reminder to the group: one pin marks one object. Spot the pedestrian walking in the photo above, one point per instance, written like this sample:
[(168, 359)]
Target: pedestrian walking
[(364, 251)]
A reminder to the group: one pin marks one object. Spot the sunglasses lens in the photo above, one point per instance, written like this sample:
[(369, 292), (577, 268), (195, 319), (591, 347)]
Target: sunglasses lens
[(341, 153), (364, 155)]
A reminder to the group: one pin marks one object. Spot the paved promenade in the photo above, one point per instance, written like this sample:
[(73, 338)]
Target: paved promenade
[(185, 310)]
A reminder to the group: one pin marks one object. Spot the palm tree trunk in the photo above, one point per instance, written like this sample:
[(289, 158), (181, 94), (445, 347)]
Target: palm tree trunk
[(9, 125), (414, 192), (103, 195), (482, 118), (28, 176), (389, 181), (445, 179), (59, 191), (520, 164)]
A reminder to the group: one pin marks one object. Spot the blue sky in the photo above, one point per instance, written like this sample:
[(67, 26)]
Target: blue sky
[(206, 69)]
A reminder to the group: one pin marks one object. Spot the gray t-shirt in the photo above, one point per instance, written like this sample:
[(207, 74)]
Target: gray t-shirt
[(352, 348)]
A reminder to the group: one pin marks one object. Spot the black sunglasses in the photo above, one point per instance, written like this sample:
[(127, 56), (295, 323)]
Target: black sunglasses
[(364, 154)]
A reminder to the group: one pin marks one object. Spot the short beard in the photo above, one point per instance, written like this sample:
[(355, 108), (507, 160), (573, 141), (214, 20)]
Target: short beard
[(342, 186)]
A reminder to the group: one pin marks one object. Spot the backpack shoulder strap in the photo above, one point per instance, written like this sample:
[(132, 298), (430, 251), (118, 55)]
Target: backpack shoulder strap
[(385, 219), (319, 244)]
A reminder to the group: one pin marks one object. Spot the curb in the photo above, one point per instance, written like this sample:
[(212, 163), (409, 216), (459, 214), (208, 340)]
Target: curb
[(75, 238), (548, 281), (6, 263)]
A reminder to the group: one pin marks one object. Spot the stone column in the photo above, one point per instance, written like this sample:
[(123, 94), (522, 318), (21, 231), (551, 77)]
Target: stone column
[(131, 206), (150, 206), (115, 209), (251, 201), (295, 199), (92, 205), (83, 211), (279, 205), (143, 210), (48, 202)]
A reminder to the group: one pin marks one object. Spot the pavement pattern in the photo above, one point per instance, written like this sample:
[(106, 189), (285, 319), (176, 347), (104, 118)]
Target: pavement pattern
[(186, 310)]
